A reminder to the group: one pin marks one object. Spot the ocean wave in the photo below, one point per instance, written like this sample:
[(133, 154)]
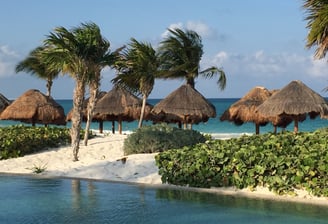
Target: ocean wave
[(224, 136)]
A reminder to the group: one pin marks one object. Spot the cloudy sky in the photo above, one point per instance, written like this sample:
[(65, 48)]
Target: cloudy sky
[(256, 42)]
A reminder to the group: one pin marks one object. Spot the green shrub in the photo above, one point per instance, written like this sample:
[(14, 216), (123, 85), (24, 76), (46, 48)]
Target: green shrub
[(19, 140), (282, 163), (160, 137)]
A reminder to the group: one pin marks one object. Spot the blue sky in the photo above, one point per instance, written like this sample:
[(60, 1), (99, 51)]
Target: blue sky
[(256, 42)]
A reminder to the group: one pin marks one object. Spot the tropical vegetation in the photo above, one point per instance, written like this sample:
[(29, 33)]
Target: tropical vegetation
[(282, 162), (36, 65), (180, 55), (82, 53), (137, 66), (19, 140), (317, 23), (159, 138)]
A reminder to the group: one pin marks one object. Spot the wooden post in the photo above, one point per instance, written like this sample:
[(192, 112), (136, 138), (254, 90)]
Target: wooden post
[(257, 128), (120, 126), (295, 125), (113, 127), (101, 126)]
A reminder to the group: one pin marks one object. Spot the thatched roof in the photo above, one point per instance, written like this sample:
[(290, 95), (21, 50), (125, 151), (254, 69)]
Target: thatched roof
[(35, 107), (4, 102), (184, 105), (85, 105), (244, 109), (119, 104), (295, 101)]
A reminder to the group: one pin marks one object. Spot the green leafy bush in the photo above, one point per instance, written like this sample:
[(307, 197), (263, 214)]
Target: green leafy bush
[(19, 140), (282, 163), (160, 137)]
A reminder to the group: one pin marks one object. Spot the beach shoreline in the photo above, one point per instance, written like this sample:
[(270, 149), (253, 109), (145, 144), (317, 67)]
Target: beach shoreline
[(104, 160)]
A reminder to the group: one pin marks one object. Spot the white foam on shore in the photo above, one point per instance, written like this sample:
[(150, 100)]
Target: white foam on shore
[(224, 136)]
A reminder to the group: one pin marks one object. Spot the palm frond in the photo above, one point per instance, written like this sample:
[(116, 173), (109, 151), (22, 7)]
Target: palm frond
[(317, 23), (210, 72), (137, 67)]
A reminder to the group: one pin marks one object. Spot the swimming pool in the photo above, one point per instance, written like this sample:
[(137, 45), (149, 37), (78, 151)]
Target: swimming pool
[(43, 200)]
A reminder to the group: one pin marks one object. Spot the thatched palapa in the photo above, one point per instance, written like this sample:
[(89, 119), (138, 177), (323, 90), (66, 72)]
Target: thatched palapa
[(244, 110), (36, 108), (184, 105), (120, 105), (294, 100)]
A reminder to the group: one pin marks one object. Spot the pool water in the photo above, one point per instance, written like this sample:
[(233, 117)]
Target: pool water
[(42, 200)]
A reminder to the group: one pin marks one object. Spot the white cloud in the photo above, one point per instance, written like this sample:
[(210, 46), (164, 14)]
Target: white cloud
[(317, 68), (6, 51), (220, 58), (201, 28), (8, 60), (244, 71), (172, 26), (259, 64)]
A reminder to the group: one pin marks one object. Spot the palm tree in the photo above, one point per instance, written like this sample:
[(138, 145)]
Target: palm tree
[(70, 52), (36, 66), (98, 58), (180, 55), (317, 17), (137, 67)]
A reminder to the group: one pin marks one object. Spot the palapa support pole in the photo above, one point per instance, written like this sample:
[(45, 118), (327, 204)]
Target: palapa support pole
[(101, 127), (179, 124), (296, 125), (257, 128), (185, 122), (113, 127), (120, 126)]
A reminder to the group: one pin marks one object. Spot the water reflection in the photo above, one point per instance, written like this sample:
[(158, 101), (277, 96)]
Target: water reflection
[(78, 198), (76, 193), (264, 206), (29, 200)]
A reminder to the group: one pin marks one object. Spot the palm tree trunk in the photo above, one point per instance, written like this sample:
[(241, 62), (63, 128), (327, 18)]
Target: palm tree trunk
[(93, 88), (49, 85), (78, 99), (190, 80), (144, 100)]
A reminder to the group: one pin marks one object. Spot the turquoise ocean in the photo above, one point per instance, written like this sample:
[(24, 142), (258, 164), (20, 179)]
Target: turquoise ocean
[(215, 127)]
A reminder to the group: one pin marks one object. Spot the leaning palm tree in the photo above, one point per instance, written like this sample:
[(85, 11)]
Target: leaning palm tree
[(317, 18), (137, 67), (180, 55), (35, 65), (70, 52), (99, 57)]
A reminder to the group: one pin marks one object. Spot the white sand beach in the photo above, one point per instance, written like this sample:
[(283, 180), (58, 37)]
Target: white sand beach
[(102, 160)]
